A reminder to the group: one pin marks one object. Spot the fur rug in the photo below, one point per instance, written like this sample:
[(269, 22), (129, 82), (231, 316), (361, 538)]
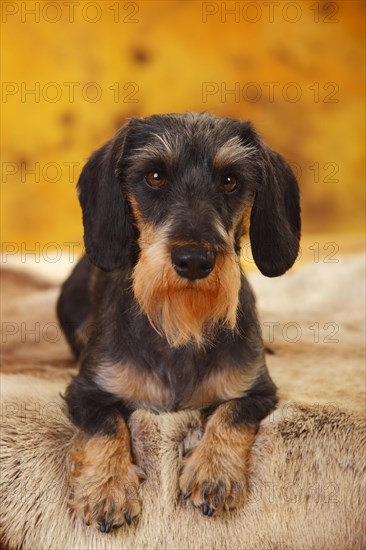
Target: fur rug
[(308, 463)]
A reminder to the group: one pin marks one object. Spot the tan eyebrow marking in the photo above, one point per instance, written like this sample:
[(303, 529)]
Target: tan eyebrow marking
[(232, 151), (165, 148)]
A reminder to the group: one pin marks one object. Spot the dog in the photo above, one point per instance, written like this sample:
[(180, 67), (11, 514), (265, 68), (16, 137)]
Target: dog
[(159, 313)]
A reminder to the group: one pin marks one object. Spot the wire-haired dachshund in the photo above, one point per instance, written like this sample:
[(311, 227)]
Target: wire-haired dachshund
[(159, 312)]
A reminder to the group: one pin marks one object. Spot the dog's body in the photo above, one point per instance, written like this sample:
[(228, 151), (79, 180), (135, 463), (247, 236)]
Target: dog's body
[(160, 311)]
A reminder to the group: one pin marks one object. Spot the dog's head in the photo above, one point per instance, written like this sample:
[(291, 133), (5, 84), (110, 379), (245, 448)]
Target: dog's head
[(167, 196)]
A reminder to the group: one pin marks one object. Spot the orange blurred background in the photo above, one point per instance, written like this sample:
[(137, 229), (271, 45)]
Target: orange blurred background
[(73, 71)]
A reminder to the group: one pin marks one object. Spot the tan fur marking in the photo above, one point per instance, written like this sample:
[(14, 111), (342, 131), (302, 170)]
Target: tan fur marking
[(151, 152), (104, 480), (233, 150), (216, 471), (221, 386), (135, 210), (183, 310), (143, 389), (146, 229), (147, 390)]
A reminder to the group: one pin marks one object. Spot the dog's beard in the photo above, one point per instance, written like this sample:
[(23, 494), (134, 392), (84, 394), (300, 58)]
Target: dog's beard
[(186, 311)]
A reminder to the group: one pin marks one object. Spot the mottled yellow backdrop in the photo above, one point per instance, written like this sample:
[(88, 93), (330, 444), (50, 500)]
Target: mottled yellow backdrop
[(73, 71)]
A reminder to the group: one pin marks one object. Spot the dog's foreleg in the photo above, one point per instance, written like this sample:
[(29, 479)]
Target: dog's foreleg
[(104, 481), (214, 475)]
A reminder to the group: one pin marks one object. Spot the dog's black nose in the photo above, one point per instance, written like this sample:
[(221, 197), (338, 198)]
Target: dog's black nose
[(193, 262)]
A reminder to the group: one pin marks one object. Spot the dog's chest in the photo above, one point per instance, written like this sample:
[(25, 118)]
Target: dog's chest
[(173, 390)]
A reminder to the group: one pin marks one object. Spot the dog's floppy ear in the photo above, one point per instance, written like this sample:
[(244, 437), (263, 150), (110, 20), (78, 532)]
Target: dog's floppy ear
[(109, 234), (275, 222)]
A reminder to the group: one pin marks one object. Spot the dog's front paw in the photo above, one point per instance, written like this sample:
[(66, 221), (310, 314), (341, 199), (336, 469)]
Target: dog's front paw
[(214, 479), (106, 501), (104, 482)]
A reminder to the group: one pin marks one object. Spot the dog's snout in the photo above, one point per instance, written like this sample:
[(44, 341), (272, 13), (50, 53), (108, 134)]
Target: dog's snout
[(193, 262)]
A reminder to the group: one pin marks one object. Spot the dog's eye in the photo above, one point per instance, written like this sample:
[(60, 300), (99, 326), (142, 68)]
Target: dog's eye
[(229, 184), (155, 179)]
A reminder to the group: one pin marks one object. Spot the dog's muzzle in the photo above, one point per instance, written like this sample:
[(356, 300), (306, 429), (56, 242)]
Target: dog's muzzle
[(193, 262)]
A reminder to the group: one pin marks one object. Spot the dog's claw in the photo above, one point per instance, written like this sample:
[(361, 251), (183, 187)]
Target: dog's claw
[(102, 525), (187, 494), (206, 510), (128, 518), (105, 526)]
